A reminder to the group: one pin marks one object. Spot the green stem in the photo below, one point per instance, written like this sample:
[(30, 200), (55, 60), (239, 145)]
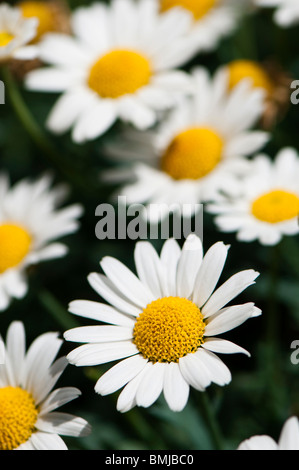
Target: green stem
[(38, 136), (210, 418), (56, 310)]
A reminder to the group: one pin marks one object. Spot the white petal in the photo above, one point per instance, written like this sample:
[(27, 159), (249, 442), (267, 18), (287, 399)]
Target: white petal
[(151, 385), (170, 255), (223, 346), (100, 312), (98, 334), (188, 265), (176, 389), (258, 443), (289, 437), (104, 287), (95, 354), (57, 398), (149, 268), (195, 372), (209, 272), (120, 374), (230, 317), (129, 284), (63, 423), (46, 441), (229, 290)]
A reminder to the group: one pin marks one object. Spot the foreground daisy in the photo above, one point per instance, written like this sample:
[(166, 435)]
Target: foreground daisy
[(288, 440), (212, 19), (119, 65), (162, 323), (15, 34), (29, 224), (287, 12), (27, 418), (196, 151), (267, 205)]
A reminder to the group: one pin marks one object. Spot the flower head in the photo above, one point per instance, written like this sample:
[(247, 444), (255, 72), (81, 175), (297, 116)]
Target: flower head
[(267, 205), (27, 403), (212, 20), (120, 64), (16, 32), (162, 323), (29, 224), (197, 150)]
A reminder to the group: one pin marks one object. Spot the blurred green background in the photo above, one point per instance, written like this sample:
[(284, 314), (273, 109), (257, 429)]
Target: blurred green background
[(265, 388)]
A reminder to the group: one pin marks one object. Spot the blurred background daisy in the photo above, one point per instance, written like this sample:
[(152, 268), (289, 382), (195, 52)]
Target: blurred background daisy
[(267, 205), (199, 149), (30, 222)]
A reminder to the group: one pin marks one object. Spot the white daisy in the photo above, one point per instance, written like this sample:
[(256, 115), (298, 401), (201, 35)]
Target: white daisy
[(52, 15), (197, 150), (15, 33), (28, 420), (267, 205), (29, 224), (288, 440), (212, 20), (162, 323), (287, 11), (119, 65)]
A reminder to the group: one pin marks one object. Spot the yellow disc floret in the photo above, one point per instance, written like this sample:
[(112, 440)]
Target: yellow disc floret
[(15, 243), (168, 329), (192, 154), (18, 415), (118, 73), (5, 38), (198, 8), (45, 15), (241, 69), (276, 206)]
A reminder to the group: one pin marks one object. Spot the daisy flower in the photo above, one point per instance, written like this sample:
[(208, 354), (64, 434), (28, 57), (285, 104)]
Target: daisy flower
[(288, 440), (271, 78), (287, 11), (267, 205), (196, 151), (52, 15), (15, 33), (29, 224), (120, 64), (28, 418), (212, 20), (162, 323)]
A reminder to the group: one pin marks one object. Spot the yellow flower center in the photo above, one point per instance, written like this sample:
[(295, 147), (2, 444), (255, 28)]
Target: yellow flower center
[(45, 15), (118, 73), (240, 69), (18, 415), (168, 329), (5, 38), (198, 8), (14, 245), (192, 154), (276, 206)]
